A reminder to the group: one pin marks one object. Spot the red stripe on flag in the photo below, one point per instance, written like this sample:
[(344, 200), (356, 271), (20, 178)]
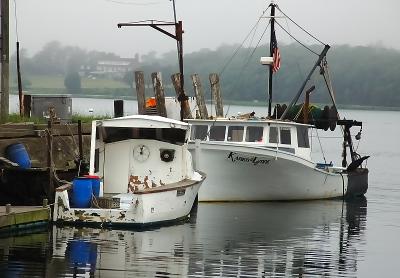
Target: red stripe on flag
[(276, 64)]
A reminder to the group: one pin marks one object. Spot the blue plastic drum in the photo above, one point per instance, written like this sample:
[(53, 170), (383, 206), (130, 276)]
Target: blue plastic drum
[(18, 154), (81, 192)]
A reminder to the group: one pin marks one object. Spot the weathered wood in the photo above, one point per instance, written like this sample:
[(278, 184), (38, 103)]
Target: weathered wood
[(140, 92), (24, 130), (176, 81), (199, 93), (159, 93), (216, 92), (50, 163), (80, 140), (118, 108), (21, 216), (65, 150)]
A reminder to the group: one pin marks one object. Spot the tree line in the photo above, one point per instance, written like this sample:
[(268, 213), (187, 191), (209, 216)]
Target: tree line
[(361, 75)]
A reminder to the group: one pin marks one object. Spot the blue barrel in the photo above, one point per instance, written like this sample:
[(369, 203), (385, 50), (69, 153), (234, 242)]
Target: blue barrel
[(95, 184), (82, 253), (81, 192), (18, 154)]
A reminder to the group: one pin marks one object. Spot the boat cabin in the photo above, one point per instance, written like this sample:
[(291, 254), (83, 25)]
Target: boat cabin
[(139, 152), (285, 136)]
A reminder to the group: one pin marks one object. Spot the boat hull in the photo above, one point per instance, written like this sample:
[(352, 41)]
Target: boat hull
[(242, 173), (167, 204)]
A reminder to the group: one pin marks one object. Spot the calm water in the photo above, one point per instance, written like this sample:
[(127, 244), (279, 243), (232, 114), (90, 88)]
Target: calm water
[(283, 239)]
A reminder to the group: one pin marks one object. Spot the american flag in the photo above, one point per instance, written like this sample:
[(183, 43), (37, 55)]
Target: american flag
[(276, 64)]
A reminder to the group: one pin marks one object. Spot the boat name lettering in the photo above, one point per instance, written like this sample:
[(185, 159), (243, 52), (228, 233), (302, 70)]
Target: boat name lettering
[(234, 157)]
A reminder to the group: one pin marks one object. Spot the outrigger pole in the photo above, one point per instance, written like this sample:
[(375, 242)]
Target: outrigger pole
[(296, 98), (179, 43)]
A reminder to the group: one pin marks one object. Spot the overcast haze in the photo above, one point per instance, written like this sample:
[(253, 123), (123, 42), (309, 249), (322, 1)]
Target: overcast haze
[(92, 24)]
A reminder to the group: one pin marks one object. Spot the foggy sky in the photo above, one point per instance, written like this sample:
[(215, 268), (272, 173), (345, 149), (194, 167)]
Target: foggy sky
[(92, 24)]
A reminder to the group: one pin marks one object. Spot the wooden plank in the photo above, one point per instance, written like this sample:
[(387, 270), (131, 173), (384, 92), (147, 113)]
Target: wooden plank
[(216, 92), (199, 93), (23, 216), (176, 81), (159, 93), (140, 92)]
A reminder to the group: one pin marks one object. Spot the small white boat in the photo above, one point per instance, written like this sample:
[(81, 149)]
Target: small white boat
[(147, 174)]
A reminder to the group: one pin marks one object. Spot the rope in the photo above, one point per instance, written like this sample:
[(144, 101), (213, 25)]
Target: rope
[(308, 33)]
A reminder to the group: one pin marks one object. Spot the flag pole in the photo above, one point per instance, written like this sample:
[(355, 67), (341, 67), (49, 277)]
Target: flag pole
[(271, 52)]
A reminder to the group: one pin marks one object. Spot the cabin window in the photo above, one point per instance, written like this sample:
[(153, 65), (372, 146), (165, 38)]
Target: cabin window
[(302, 137), (199, 132), (170, 135), (217, 133), (273, 134), (285, 136), (235, 133), (254, 134)]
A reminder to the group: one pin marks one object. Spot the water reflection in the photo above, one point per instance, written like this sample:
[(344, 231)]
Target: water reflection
[(240, 239)]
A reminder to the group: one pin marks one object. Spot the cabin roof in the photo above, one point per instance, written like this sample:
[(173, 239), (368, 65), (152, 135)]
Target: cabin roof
[(251, 121), (143, 121)]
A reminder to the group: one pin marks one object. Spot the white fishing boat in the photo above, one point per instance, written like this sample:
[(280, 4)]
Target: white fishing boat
[(146, 170), (252, 158)]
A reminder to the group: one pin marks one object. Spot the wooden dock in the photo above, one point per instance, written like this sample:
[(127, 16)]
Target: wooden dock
[(18, 218)]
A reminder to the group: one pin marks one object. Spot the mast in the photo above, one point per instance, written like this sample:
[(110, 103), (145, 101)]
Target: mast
[(271, 52)]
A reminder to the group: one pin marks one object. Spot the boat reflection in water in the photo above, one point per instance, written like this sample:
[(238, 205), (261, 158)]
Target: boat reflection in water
[(222, 239)]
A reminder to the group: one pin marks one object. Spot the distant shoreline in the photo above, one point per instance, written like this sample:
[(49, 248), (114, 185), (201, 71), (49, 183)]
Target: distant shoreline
[(238, 103)]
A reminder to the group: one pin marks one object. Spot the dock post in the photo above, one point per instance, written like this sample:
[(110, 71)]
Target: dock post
[(199, 93), (176, 81), (8, 208), (216, 92), (45, 202), (118, 108), (50, 191), (159, 93), (80, 140), (140, 92)]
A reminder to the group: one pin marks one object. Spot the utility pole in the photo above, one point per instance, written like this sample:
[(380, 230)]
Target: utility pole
[(5, 61)]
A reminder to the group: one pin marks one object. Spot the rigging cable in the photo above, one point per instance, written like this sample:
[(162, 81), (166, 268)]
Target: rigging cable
[(241, 45), (300, 26), (302, 44), (247, 62)]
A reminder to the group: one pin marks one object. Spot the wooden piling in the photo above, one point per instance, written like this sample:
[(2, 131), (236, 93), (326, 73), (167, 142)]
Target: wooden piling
[(118, 108), (216, 92), (80, 141), (159, 93), (27, 105), (199, 93), (176, 81), (50, 190), (140, 92)]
